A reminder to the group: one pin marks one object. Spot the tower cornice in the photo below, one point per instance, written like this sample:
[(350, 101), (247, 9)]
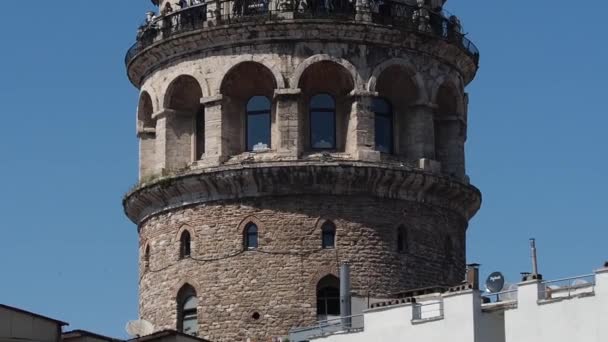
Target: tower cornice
[(228, 183), (160, 49)]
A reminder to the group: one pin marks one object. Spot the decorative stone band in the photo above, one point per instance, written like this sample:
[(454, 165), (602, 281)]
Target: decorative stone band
[(207, 39), (300, 178)]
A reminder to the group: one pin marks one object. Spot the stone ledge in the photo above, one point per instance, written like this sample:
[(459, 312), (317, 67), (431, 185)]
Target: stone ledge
[(291, 178), (216, 38)]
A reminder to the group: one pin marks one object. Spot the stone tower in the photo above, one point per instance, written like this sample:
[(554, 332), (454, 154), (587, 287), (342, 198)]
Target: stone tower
[(281, 138)]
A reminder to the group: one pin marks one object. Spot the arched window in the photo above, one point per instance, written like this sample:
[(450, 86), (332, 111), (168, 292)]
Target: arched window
[(187, 304), (328, 297), (185, 245), (402, 245), (258, 123), (322, 122), (328, 232), (251, 236), (383, 114)]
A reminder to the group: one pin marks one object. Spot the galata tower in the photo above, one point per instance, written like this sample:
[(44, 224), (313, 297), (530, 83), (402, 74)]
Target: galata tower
[(279, 139)]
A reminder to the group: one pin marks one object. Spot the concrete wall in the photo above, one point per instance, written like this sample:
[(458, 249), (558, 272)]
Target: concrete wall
[(582, 317), (16, 325), (534, 317)]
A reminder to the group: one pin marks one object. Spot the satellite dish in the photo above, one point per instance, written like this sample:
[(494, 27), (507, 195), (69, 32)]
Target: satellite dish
[(139, 328), (580, 282), (495, 282)]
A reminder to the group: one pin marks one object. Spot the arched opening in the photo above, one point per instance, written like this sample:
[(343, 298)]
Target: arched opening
[(258, 123), (328, 235), (185, 245), (396, 86), (383, 125), (449, 131), (247, 117), (250, 236), (326, 86), (402, 240), (144, 114), (187, 305), (185, 125), (328, 298), (146, 130)]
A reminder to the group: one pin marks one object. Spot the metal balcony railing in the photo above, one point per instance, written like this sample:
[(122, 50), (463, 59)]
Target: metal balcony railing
[(389, 13)]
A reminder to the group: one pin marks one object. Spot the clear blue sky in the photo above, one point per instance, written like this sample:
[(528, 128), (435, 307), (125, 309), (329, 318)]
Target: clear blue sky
[(537, 148)]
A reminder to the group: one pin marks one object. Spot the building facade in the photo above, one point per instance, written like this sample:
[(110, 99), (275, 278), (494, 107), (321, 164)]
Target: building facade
[(572, 309), (279, 139)]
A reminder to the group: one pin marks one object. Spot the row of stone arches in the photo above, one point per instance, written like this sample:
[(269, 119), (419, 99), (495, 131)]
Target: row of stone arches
[(254, 113), (424, 90)]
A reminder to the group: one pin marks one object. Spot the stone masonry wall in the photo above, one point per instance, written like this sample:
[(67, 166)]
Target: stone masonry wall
[(278, 280)]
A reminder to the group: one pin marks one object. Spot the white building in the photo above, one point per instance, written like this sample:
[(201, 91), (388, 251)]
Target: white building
[(574, 309)]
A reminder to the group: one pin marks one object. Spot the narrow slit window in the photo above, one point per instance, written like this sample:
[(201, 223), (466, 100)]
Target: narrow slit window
[(251, 236), (328, 232), (185, 245)]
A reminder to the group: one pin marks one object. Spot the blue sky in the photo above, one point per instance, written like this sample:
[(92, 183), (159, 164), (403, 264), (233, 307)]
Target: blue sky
[(536, 148)]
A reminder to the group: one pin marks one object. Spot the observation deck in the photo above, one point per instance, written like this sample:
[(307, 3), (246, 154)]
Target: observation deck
[(207, 26)]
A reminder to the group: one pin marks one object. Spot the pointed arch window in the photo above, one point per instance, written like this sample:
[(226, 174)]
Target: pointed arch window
[(187, 303), (383, 119), (185, 245), (258, 123), (251, 236), (328, 235), (402, 243), (322, 122), (328, 297)]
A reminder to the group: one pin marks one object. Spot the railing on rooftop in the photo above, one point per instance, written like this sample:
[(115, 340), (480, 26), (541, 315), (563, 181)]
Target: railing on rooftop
[(389, 13), (340, 324), (569, 287), (505, 296), (427, 310)]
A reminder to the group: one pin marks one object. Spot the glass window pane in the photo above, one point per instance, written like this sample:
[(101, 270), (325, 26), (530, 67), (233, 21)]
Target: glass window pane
[(190, 325), (258, 132), (381, 106), (258, 103), (323, 130), (190, 304), (258, 123), (384, 133), (322, 101)]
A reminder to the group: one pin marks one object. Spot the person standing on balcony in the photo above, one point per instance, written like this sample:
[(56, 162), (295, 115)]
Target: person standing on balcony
[(421, 17), (167, 9)]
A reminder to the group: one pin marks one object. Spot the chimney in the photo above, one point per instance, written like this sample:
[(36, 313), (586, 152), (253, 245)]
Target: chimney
[(473, 276)]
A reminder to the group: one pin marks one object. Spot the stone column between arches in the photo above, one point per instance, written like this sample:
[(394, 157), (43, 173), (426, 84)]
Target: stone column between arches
[(361, 127), (288, 122), (215, 145)]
